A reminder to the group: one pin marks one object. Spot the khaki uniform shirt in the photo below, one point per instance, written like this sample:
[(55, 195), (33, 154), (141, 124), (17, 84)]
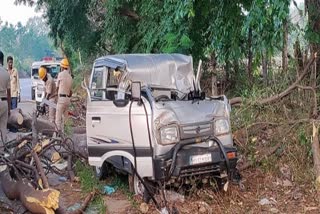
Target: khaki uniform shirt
[(4, 82), (51, 87), (64, 82), (14, 82)]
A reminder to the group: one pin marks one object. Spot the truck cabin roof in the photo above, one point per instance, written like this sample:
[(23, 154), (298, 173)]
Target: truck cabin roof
[(172, 71)]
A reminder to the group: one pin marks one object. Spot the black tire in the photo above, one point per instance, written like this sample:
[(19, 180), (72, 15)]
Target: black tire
[(101, 172), (137, 188), (33, 94)]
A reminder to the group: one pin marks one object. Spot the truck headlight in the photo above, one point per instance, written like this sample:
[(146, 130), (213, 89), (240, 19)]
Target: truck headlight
[(221, 126), (169, 135)]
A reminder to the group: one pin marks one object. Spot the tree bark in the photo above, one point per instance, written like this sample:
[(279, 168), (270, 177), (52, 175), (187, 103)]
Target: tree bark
[(213, 64), (285, 46), (313, 8), (316, 155), (15, 119), (40, 170), (265, 67), (298, 56), (214, 89), (250, 55), (36, 201)]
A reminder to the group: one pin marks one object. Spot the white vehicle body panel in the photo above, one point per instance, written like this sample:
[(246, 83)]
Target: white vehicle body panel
[(108, 129)]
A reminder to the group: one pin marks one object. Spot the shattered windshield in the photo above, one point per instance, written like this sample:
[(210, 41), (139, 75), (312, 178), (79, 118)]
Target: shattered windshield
[(164, 94)]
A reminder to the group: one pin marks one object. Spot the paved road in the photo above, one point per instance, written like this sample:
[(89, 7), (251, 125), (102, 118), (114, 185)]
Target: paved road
[(26, 104), (25, 85)]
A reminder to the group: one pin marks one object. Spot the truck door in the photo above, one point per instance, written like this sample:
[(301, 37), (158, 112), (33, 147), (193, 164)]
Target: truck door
[(108, 125)]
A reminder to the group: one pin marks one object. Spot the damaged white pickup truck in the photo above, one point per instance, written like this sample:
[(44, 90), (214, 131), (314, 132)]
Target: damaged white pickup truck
[(147, 116)]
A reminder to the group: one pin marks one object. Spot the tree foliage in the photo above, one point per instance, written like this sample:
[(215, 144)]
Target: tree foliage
[(25, 43), (200, 28)]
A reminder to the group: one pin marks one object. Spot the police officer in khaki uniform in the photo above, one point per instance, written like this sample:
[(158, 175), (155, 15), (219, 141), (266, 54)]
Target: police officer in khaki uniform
[(5, 101), (64, 84), (50, 91)]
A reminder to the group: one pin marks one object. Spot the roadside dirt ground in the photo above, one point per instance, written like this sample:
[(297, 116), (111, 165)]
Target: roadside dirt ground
[(259, 193)]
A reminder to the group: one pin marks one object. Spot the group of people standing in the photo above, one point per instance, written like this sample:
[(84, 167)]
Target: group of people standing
[(57, 92)]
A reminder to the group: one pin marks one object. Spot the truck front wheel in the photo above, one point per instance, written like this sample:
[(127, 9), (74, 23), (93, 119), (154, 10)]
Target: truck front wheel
[(137, 187), (101, 172)]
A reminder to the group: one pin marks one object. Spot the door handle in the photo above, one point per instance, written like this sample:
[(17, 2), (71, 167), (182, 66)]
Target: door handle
[(96, 119)]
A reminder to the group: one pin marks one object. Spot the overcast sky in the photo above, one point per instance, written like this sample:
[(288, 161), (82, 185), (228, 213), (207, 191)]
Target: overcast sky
[(16, 13)]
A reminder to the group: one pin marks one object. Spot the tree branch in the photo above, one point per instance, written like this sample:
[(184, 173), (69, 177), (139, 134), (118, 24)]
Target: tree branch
[(272, 99), (283, 94), (129, 13)]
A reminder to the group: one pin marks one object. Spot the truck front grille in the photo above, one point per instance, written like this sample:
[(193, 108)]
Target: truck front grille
[(196, 170), (196, 130)]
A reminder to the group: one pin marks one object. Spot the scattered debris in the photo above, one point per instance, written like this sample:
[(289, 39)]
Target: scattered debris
[(173, 196), (74, 207), (307, 209), (164, 211), (264, 201), (204, 207), (63, 179), (29, 160), (287, 183), (286, 172), (116, 205), (108, 190), (225, 186), (144, 208), (274, 210)]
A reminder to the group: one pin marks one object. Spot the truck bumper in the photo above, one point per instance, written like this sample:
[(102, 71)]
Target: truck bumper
[(184, 166)]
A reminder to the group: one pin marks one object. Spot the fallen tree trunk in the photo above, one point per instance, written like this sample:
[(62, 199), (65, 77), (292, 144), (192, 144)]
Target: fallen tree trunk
[(36, 201), (41, 124), (19, 120), (84, 204), (15, 119)]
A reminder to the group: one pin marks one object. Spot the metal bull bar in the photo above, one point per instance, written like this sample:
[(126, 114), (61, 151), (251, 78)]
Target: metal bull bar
[(179, 146)]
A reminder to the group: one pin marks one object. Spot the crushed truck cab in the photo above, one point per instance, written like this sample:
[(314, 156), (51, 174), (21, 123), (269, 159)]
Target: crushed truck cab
[(171, 133)]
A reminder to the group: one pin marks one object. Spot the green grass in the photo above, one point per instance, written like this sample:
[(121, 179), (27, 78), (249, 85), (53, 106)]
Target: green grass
[(121, 182), (89, 183), (68, 127)]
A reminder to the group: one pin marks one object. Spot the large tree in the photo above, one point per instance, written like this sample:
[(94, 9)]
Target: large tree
[(224, 27), (313, 28)]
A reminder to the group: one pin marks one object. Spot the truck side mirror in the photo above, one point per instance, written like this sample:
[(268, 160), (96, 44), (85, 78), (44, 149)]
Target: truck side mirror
[(136, 91)]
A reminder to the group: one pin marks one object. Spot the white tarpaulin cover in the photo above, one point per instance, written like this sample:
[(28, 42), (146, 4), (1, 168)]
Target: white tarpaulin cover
[(173, 71)]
